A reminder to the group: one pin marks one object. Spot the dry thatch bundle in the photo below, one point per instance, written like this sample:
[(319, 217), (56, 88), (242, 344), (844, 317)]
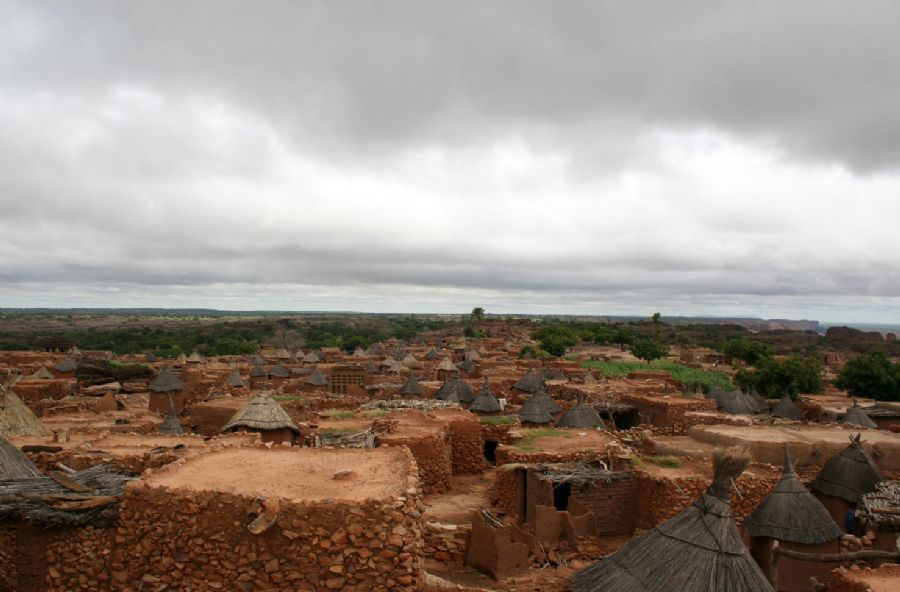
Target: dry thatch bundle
[(529, 383), (262, 412), (791, 513), (533, 411), (848, 475), (171, 424), (316, 378), (787, 409), (485, 402), (456, 390), (412, 388), (166, 382), (698, 550), (16, 419), (234, 380), (13, 462), (583, 415), (856, 416)]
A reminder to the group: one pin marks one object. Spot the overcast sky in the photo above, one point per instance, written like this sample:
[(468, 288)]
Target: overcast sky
[(703, 157)]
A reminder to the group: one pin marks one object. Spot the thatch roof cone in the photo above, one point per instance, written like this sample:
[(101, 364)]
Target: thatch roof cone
[(583, 415), (762, 406), (589, 378), (282, 354), (856, 416), (485, 402), (194, 358), (456, 390), (66, 365), (13, 462), (171, 425), (447, 365), (548, 403), (166, 382), (316, 378), (432, 354), (791, 513), (787, 409), (412, 387), (529, 383), (371, 368), (258, 372), (279, 371), (310, 358), (358, 353), (234, 380), (849, 474), (738, 403), (533, 411), (258, 361), (698, 550), (180, 360), (42, 374), (16, 419), (262, 412)]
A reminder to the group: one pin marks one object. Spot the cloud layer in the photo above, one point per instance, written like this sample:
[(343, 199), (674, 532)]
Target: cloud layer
[(698, 158)]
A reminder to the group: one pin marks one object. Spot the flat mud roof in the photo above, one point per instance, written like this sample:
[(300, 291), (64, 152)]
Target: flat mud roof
[(296, 473)]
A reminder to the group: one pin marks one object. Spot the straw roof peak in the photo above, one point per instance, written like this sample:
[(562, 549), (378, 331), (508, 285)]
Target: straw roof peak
[(165, 382), (16, 419), (856, 416), (848, 475), (262, 412), (412, 387), (485, 402), (13, 462), (171, 425)]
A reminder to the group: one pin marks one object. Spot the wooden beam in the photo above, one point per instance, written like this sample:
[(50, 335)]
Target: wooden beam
[(836, 557)]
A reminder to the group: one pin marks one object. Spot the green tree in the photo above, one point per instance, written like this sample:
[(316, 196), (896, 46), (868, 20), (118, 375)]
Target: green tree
[(657, 323), (477, 316), (752, 352), (648, 349), (872, 375), (623, 336), (772, 377)]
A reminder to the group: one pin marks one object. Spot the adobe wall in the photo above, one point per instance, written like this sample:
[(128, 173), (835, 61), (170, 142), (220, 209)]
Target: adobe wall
[(198, 540), (7, 557), (504, 493), (468, 446), (614, 504), (434, 457), (446, 542)]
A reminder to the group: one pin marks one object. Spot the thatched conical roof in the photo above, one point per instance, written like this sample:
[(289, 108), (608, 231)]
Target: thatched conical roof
[(282, 354), (787, 409), (447, 365), (485, 402), (180, 360), (262, 412), (472, 355), (42, 374), (716, 394), (358, 353), (432, 354), (371, 368), (583, 415), (279, 371), (171, 424), (310, 358), (258, 372), (259, 361), (456, 390), (316, 378), (698, 550), (66, 365), (13, 462), (412, 387), (762, 406), (16, 419), (194, 358), (849, 474), (856, 416), (529, 383), (533, 411), (738, 402), (166, 382), (548, 403), (234, 379), (409, 359), (791, 513), (468, 366)]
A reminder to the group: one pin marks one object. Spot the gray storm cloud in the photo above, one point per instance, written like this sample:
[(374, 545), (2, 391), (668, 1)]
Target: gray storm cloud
[(710, 157)]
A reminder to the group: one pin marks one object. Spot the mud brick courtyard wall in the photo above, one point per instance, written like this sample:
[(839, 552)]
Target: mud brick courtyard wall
[(468, 447), (434, 457)]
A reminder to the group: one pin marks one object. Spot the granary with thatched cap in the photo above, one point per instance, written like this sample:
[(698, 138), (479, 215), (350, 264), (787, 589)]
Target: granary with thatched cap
[(13, 462), (412, 388), (455, 390), (845, 478), (282, 354), (280, 372), (546, 401), (533, 411), (180, 360), (235, 380), (446, 369), (171, 425), (316, 378), (582, 416), (263, 415), (469, 367), (194, 359), (432, 354), (791, 515), (16, 419), (66, 365), (698, 550), (529, 383), (485, 403), (310, 359), (787, 409), (161, 387), (856, 416), (42, 374)]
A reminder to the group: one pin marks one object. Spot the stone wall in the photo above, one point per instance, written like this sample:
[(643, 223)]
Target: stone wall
[(468, 446), (446, 542), (78, 559), (614, 504), (7, 557), (433, 454)]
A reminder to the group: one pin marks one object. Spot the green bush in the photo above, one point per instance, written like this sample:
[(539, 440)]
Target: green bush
[(872, 375)]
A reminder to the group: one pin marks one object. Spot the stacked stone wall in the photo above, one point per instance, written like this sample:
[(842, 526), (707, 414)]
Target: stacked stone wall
[(468, 447), (434, 457), (446, 542), (8, 545), (78, 559)]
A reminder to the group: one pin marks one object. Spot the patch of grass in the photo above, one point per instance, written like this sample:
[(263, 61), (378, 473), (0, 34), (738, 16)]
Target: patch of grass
[(373, 413), (285, 398), (341, 430), (690, 377), (669, 462), (337, 414), (498, 420), (529, 441)]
